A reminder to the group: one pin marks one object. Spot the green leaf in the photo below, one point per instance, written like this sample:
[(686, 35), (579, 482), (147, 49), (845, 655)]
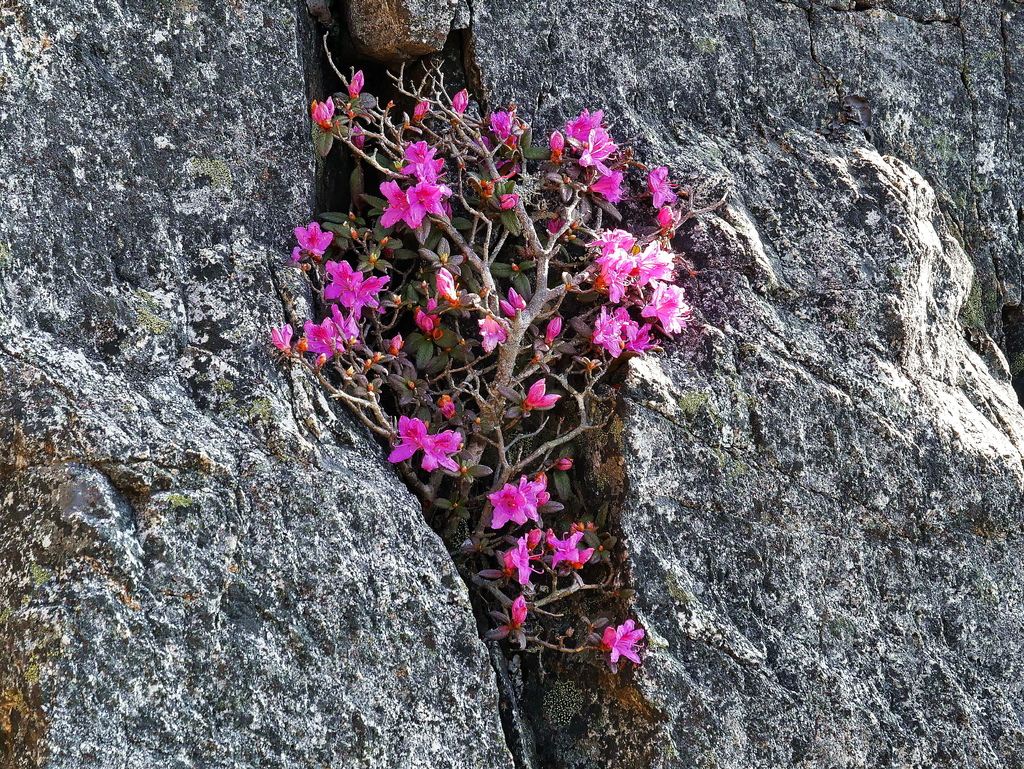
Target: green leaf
[(447, 339), (602, 517), (479, 471), (536, 153), (414, 338), (374, 201), (510, 222), (527, 138), (501, 270), (404, 253), (521, 283), (462, 224), (437, 364), (334, 216), (323, 142), (424, 352), (562, 485), (355, 182), (443, 504)]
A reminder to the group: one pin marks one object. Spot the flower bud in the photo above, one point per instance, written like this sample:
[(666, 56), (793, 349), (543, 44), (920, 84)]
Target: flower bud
[(533, 538), (557, 142), (563, 464), (460, 101), (553, 330), (395, 345), (509, 201), (421, 111), (665, 217), (356, 86)]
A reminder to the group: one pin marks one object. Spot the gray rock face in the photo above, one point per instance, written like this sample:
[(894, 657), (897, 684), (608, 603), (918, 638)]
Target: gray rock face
[(200, 565), (824, 478), (394, 31)]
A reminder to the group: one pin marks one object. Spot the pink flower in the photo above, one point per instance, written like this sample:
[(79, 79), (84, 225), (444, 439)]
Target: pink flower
[(567, 550), (520, 502), (617, 332), (616, 272), (554, 225), (356, 86), (553, 330), (563, 464), (657, 183), (515, 302), (445, 282), (435, 448), (611, 241), (426, 321), (460, 101), (493, 333), (398, 205), (358, 137), (426, 198), (509, 201), (323, 114), (518, 612), (609, 185), (502, 124), (332, 335), (597, 148), (421, 162), (556, 142), (654, 264), (349, 288), (282, 337), (581, 127), (620, 642), (536, 398), (669, 306), (313, 239), (518, 559), (420, 111), (665, 218)]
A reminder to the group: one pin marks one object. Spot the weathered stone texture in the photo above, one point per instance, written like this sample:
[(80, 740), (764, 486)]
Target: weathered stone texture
[(199, 564), (395, 31), (824, 476)]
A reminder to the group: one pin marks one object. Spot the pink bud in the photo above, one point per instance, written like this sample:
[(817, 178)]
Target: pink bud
[(554, 329), (446, 286), (509, 201), (447, 407), (533, 538), (557, 142), (563, 464), (282, 337), (461, 101), (358, 137), (356, 86), (421, 110), (395, 345), (665, 217), (554, 225)]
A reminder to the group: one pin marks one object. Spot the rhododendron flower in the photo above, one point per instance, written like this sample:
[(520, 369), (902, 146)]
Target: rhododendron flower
[(616, 271), (356, 86), (567, 550), (349, 288), (420, 111), (553, 330), (396, 344), (657, 183), (537, 399), (597, 148), (425, 321), (421, 162), (510, 626), (518, 503), (581, 127), (533, 538), (331, 335), (313, 239), (460, 101), (515, 302), (445, 282), (617, 332), (398, 205), (665, 218), (436, 448), (609, 185), (611, 241), (282, 337), (493, 333), (621, 642), (668, 304), (323, 114), (518, 559), (426, 198), (654, 264), (509, 201), (501, 124)]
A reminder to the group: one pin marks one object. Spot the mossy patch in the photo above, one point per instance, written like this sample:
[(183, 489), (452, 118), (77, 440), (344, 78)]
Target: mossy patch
[(214, 169)]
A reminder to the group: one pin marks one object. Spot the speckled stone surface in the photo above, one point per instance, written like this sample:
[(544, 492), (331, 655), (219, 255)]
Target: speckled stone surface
[(822, 498), (200, 565)]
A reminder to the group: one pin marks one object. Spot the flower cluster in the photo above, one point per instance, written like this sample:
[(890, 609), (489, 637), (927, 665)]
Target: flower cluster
[(470, 316)]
